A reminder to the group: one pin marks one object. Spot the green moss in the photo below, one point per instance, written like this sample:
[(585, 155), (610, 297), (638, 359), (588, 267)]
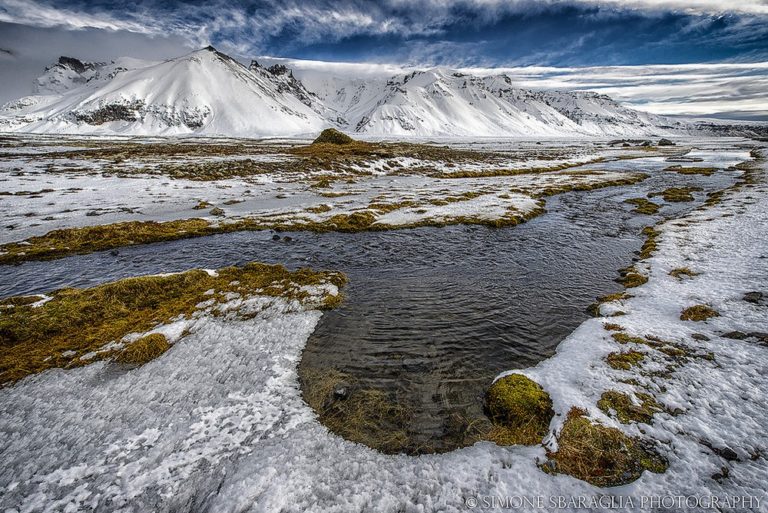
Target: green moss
[(75, 322), (624, 360), (520, 409), (143, 350), (643, 206), (698, 313), (600, 455), (626, 411)]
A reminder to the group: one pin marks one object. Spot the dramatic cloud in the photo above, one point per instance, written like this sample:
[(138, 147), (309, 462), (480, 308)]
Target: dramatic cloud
[(633, 49)]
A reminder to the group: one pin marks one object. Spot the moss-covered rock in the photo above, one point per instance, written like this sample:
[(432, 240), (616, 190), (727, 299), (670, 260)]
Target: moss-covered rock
[(333, 136), (520, 409)]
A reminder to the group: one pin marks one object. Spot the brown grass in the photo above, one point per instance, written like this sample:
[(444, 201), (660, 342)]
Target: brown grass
[(76, 322), (600, 455), (143, 350), (698, 313)]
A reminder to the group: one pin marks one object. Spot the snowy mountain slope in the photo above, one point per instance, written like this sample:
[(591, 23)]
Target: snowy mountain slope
[(204, 92), (442, 102), (208, 93)]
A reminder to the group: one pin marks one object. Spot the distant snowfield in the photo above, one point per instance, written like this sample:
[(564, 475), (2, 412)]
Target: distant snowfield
[(218, 423)]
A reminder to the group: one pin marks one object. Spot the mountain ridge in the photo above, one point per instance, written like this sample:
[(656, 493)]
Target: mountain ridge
[(207, 92)]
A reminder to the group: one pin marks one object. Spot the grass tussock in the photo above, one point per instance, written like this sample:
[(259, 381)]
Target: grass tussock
[(651, 243), (609, 326), (698, 313), (624, 360), (520, 410), (643, 206), (680, 272), (631, 278), (73, 241), (79, 322), (676, 194), (705, 171), (625, 410), (600, 455), (143, 350)]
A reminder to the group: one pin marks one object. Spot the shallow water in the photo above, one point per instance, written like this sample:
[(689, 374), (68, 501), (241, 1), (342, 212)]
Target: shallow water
[(432, 314)]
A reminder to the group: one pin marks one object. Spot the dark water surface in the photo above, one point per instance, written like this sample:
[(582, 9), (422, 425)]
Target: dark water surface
[(432, 314)]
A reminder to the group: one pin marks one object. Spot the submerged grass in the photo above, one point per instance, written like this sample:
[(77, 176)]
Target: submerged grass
[(600, 455), (79, 322)]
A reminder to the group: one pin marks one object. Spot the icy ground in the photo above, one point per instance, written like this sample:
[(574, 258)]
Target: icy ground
[(218, 423)]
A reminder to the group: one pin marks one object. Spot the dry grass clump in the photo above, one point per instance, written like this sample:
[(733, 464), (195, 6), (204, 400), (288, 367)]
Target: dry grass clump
[(679, 272), (609, 326), (143, 350), (520, 410), (600, 455), (76, 322), (319, 209), (624, 360), (698, 313), (643, 206), (630, 278), (705, 171), (364, 415), (551, 190), (626, 410), (651, 242)]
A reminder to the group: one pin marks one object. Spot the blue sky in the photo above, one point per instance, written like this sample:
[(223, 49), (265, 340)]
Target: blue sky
[(459, 33)]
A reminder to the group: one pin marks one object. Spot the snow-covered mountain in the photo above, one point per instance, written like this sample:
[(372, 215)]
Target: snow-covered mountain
[(208, 93), (204, 92)]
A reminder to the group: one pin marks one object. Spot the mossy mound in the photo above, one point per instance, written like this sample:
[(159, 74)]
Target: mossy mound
[(333, 136), (143, 350), (600, 455), (626, 410), (520, 409), (698, 313), (643, 206)]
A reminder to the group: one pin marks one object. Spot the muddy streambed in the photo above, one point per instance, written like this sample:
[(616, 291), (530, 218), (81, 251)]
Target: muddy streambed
[(431, 314)]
